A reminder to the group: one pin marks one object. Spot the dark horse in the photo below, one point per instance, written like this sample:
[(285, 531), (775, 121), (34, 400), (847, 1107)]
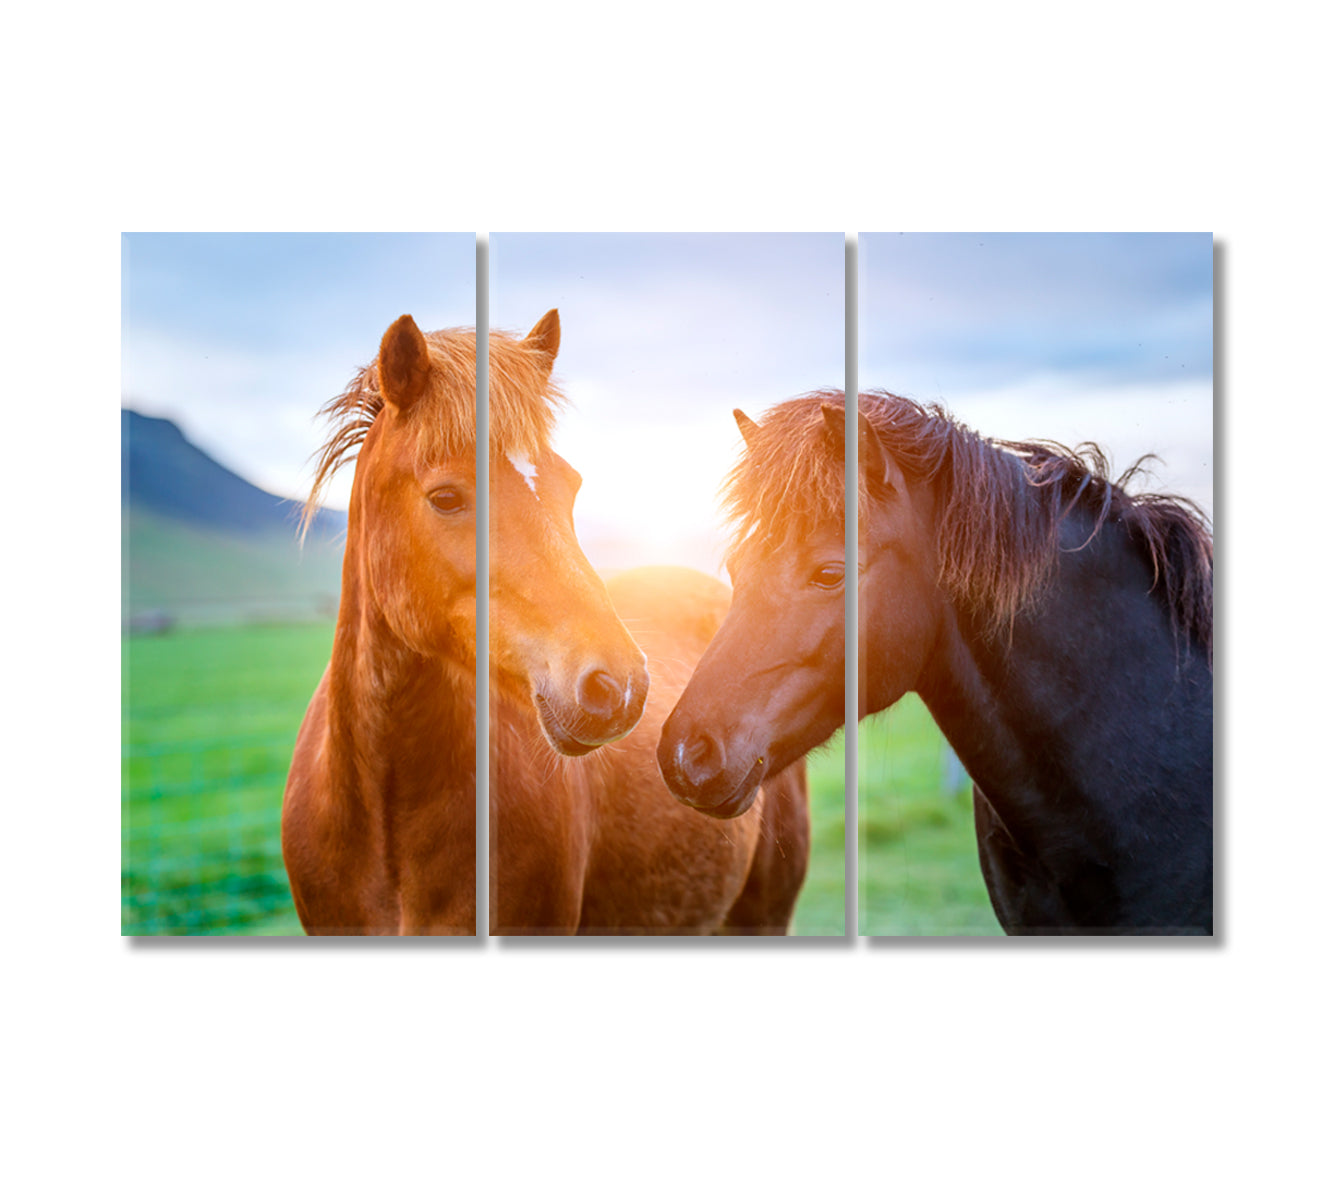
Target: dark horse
[(1058, 628)]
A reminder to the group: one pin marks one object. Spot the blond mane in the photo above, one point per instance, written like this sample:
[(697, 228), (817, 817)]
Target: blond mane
[(790, 478), (523, 402)]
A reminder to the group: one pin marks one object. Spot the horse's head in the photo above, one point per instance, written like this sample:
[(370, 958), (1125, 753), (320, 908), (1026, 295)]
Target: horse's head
[(769, 687), (412, 520), (554, 632)]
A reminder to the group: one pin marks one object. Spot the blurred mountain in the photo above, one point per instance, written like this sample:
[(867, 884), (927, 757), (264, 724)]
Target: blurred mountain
[(201, 545)]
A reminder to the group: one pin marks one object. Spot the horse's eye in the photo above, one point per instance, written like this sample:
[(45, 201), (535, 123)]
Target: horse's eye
[(828, 576), (448, 500)]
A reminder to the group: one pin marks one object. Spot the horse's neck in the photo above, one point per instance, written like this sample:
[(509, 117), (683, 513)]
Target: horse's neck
[(1054, 714), (403, 726)]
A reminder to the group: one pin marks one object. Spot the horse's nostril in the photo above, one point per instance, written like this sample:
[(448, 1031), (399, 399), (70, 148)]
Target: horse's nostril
[(600, 695), (700, 758)]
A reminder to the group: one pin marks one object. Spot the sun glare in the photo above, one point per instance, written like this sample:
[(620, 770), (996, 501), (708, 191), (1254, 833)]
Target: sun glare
[(650, 498)]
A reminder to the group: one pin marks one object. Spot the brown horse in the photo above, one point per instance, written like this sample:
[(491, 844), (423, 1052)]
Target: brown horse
[(379, 814), (585, 842)]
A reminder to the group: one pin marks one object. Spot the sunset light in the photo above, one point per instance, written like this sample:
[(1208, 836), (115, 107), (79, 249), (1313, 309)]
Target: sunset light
[(662, 337)]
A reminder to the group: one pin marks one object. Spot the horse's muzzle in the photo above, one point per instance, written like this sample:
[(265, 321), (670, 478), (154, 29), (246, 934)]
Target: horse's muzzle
[(604, 709), (695, 766)]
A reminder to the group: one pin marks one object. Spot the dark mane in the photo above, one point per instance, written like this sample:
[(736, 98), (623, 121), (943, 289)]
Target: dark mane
[(790, 477), (1003, 502)]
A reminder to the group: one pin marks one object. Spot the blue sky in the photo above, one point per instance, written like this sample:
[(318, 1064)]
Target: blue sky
[(1075, 337), (240, 338)]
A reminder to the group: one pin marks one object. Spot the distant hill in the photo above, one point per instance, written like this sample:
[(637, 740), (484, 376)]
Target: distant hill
[(201, 545)]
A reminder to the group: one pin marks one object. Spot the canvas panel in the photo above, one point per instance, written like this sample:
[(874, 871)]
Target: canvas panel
[(603, 606), (1104, 338), (231, 344)]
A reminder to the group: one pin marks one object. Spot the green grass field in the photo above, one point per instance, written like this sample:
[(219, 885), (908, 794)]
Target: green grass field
[(209, 721), (917, 871), (820, 907)]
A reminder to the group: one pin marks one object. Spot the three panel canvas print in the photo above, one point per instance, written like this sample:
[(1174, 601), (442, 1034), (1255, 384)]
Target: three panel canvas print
[(633, 560)]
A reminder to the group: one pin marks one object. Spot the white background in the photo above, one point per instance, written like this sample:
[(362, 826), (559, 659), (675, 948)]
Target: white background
[(204, 1068)]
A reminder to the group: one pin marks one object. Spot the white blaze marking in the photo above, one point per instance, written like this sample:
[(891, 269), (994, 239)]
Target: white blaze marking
[(526, 469)]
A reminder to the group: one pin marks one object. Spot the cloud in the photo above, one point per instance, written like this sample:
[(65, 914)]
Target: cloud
[(1173, 421), (661, 323), (1105, 338), (954, 311)]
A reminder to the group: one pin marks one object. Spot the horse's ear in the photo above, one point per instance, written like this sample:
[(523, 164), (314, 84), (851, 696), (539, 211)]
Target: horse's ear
[(545, 335), (748, 428), (405, 363), (834, 424), (877, 462)]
